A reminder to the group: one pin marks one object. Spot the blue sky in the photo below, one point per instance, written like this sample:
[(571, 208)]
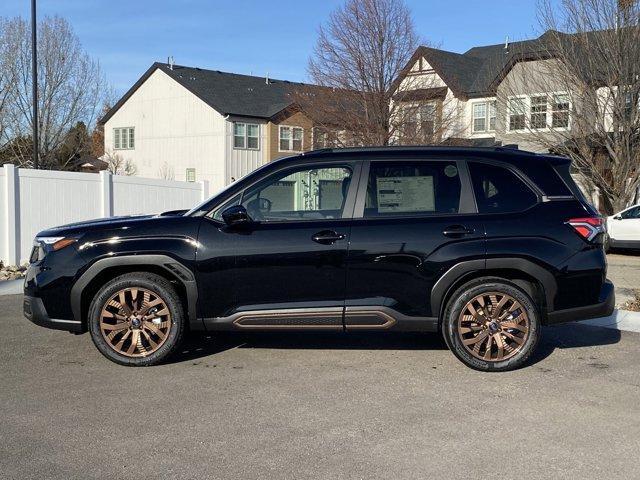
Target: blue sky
[(254, 36)]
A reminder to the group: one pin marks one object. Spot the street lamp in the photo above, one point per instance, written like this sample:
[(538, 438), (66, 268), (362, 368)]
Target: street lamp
[(34, 72)]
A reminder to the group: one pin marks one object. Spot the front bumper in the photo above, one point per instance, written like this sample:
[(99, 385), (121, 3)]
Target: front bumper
[(34, 310), (604, 308)]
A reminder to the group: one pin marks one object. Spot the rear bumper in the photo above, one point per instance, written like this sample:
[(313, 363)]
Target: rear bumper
[(34, 310), (604, 308)]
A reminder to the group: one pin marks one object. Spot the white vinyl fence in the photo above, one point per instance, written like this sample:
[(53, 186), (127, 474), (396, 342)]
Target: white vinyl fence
[(33, 200)]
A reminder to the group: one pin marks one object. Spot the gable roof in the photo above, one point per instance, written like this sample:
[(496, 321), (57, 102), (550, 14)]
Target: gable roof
[(474, 72), (227, 93)]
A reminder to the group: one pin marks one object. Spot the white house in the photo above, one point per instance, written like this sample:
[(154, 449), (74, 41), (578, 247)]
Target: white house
[(192, 124)]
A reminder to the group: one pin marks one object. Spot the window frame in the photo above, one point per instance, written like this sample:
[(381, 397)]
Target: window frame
[(489, 105), (467, 202), (550, 111), (131, 145), (347, 212), (521, 176), (245, 136), (291, 128)]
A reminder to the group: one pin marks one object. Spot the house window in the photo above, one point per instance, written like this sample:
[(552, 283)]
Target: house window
[(517, 113), (560, 114), (246, 135), (191, 175), (123, 138), (492, 115), (484, 116), (290, 139), (427, 113), (539, 111), (479, 117)]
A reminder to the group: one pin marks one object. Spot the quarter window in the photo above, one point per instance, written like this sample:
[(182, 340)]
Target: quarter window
[(305, 194), (246, 135), (124, 138), (412, 188), (290, 139), (498, 190)]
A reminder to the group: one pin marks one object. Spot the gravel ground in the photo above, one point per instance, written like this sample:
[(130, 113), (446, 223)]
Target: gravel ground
[(624, 272), (328, 406)]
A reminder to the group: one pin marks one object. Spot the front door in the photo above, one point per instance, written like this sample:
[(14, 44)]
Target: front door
[(413, 221), (625, 227), (290, 263)]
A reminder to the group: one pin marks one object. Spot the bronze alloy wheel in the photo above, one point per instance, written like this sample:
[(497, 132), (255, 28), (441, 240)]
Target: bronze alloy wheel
[(493, 326), (135, 322)]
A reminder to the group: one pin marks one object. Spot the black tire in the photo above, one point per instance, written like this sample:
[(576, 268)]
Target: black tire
[(174, 319), (519, 353)]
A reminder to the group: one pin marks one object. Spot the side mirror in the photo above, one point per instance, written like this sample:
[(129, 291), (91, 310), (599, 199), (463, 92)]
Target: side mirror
[(236, 215), (617, 217)]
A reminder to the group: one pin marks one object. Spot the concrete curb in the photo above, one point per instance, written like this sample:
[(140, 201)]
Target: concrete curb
[(624, 320), (11, 287)]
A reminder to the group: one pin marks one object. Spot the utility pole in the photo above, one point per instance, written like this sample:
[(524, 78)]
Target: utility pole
[(34, 72)]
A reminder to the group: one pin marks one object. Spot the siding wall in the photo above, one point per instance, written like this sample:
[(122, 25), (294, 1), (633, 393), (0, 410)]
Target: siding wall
[(239, 161), (295, 120), (172, 127)]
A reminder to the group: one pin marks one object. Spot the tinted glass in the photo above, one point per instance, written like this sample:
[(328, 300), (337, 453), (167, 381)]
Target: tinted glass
[(412, 188), (305, 194), (631, 213), (499, 190)]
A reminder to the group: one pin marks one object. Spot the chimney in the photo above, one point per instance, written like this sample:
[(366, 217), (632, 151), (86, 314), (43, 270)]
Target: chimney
[(266, 79), (506, 44), (170, 62)]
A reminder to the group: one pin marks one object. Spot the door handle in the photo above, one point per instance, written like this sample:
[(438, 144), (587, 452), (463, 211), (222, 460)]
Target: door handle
[(457, 231), (327, 237)]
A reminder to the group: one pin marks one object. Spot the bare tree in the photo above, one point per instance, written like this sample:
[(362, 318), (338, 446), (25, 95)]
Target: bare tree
[(70, 86), (7, 80), (118, 165), (586, 72), (360, 53), (166, 172)]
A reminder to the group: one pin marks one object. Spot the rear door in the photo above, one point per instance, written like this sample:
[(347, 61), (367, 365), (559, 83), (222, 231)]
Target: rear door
[(413, 220)]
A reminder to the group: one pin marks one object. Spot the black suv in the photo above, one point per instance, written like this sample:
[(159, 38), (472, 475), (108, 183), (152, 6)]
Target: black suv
[(483, 245)]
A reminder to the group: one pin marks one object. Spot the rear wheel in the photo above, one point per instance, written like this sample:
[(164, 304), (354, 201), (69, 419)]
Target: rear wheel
[(491, 325), (136, 319)]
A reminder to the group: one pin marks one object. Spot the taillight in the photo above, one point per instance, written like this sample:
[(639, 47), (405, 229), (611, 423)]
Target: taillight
[(587, 227)]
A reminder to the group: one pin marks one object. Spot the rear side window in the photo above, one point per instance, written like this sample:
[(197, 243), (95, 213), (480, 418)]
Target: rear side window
[(412, 188), (499, 190)]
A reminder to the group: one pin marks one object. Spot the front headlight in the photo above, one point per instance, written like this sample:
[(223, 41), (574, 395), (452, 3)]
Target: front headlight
[(56, 243)]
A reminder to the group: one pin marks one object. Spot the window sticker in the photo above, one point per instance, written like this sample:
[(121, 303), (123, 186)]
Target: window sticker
[(450, 171), (405, 194)]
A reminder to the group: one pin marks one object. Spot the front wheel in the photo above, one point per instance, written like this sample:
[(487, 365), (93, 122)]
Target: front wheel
[(491, 325), (136, 319)]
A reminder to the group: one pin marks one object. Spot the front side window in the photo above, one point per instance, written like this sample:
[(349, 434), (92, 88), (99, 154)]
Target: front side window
[(290, 139), (246, 135), (499, 190), (124, 138), (412, 188), (306, 194)]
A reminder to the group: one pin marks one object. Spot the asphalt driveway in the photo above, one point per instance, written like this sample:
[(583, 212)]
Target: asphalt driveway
[(325, 406)]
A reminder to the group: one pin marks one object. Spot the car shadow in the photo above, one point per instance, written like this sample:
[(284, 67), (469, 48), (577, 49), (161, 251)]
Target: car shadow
[(571, 335)]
